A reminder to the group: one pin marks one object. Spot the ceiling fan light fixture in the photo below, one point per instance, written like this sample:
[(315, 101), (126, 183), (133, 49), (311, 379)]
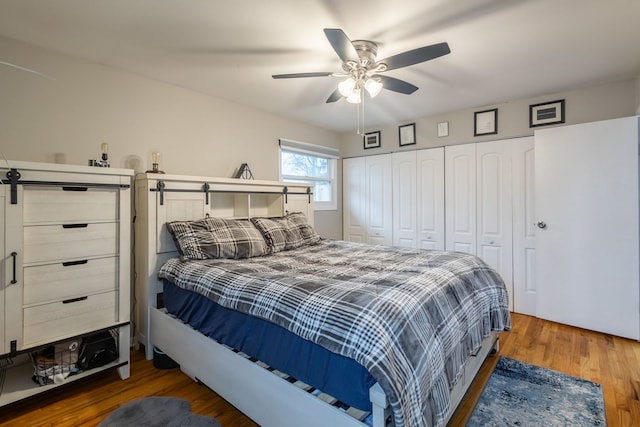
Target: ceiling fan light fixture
[(346, 87), (373, 86), (354, 97)]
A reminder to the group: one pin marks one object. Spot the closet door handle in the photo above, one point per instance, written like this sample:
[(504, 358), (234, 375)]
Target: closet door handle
[(14, 255)]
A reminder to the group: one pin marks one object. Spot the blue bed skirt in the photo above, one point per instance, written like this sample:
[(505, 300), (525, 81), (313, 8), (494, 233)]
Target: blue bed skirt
[(336, 375)]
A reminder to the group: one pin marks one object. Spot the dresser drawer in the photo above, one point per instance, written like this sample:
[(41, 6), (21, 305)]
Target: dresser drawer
[(59, 320), (69, 279), (46, 243), (47, 205)]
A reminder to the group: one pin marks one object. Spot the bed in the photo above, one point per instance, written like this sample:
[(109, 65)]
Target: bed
[(371, 326)]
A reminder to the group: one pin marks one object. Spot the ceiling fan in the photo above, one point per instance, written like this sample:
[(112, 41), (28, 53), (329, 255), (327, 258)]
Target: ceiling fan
[(362, 70)]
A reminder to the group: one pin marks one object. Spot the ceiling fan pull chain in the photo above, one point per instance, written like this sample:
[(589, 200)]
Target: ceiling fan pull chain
[(362, 95)]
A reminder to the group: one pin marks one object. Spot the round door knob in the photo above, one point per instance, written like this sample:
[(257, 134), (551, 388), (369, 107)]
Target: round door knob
[(542, 224)]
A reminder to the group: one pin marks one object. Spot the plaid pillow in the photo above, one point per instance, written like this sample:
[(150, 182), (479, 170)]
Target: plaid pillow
[(299, 222), (279, 233), (217, 238)]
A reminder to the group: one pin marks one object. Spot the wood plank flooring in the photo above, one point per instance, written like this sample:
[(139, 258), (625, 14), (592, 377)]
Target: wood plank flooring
[(611, 361)]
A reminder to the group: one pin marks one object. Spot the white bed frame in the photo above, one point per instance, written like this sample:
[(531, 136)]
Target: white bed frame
[(264, 397)]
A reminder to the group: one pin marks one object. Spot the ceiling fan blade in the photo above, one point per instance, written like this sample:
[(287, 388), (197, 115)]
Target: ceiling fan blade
[(396, 85), (298, 75), (416, 56), (335, 96), (28, 70), (341, 44)]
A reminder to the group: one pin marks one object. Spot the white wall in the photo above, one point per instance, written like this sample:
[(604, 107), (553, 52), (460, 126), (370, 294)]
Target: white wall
[(65, 118), (598, 102)]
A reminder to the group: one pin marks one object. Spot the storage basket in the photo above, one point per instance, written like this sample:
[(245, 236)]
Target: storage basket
[(55, 363)]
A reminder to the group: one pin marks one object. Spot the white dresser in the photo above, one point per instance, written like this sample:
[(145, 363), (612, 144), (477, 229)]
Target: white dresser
[(66, 266)]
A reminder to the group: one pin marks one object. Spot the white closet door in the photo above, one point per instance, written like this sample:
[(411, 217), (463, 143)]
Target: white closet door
[(430, 198), (354, 199), (404, 199), (494, 208), (587, 254), (524, 229), (380, 203), (460, 199)]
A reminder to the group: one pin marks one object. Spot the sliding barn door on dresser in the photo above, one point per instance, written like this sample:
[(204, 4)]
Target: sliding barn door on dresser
[(4, 274), (66, 268)]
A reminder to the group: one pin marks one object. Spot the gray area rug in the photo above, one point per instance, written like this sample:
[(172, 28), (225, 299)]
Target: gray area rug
[(520, 394), (157, 411)]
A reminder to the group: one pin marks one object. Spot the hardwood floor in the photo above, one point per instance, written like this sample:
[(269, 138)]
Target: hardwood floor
[(611, 361)]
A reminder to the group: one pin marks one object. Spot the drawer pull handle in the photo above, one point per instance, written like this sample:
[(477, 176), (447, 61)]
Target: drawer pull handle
[(75, 188), (75, 225), (80, 262), (14, 255), (72, 300)]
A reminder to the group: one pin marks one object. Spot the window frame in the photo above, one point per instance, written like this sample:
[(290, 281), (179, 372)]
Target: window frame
[(331, 154)]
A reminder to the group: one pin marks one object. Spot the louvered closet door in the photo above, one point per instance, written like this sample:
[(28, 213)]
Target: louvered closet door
[(379, 199), (354, 193), (494, 208), (460, 198), (404, 199), (430, 198)]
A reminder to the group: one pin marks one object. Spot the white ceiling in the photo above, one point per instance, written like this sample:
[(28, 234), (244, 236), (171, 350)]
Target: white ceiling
[(501, 50)]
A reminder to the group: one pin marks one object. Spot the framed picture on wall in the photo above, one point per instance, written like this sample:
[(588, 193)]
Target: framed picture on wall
[(407, 134), (546, 113), (371, 139), (485, 122)]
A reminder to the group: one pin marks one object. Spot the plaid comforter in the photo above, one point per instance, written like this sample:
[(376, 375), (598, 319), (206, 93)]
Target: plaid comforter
[(410, 316)]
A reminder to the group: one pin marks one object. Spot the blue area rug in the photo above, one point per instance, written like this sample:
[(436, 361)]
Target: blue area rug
[(520, 394)]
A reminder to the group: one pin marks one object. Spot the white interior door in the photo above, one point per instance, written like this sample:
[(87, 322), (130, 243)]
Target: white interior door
[(430, 198), (494, 208), (354, 191), (404, 199), (524, 228), (587, 205), (460, 198)]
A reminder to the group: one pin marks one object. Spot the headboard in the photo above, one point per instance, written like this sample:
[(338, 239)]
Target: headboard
[(162, 198)]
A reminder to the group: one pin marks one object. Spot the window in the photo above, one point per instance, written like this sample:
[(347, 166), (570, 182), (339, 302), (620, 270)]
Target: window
[(314, 164)]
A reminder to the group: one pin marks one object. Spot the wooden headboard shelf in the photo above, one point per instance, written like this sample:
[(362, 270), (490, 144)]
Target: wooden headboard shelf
[(161, 198)]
